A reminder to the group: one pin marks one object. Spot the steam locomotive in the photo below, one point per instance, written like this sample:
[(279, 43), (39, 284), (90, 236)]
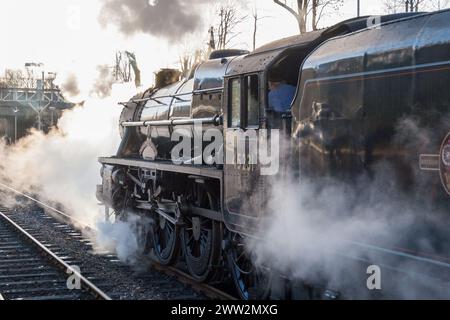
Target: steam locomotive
[(354, 82)]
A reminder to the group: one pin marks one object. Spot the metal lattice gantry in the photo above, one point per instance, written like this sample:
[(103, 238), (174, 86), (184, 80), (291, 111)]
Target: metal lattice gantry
[(29, 99), (37, 99)]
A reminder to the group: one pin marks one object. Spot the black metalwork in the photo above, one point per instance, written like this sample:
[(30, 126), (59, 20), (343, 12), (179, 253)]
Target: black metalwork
[(355, 82)]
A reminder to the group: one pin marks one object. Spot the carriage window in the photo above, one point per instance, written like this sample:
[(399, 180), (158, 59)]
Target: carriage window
[(235, 103), (252, 96)]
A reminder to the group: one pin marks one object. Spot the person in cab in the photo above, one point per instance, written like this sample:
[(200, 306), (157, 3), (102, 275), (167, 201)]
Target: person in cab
[(281, 94)]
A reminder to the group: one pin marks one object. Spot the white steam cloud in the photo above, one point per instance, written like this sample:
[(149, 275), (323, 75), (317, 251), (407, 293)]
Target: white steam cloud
[(322, 231), (62, 167), (103, 85)]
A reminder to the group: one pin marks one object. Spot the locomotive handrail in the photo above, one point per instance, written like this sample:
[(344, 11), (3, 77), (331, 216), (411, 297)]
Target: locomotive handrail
[(209, 90), (175, 96), (216, 120), (156, 99)]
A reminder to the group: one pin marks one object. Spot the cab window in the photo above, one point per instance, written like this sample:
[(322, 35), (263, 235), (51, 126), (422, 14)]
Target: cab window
[(244, 102), (235, 103), (252, 100)]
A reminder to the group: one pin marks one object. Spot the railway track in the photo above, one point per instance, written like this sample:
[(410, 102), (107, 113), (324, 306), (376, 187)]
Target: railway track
[(67, 244), (37, 249), (29, 270)]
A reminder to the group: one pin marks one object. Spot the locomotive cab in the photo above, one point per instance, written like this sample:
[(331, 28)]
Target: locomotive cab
[(249, 117)]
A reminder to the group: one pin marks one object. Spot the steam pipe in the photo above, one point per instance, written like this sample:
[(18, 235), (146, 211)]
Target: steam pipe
[(217, 120)]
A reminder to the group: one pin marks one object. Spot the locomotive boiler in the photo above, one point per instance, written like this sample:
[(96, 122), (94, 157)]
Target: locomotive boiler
[(354, 81)]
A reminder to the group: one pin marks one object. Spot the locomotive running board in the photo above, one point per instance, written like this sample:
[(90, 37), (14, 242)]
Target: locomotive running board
[(164, 166)]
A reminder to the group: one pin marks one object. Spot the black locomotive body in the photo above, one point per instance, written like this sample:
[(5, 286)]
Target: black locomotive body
[(354, 85), (348, 108)]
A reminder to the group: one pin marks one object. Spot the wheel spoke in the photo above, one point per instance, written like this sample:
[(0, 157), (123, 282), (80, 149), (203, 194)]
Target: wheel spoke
[(198, 245), (242, 255), (165, 241), (245, 276), (190, 239)]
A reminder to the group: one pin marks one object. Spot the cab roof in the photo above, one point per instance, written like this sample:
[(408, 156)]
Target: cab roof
[(263, 57)]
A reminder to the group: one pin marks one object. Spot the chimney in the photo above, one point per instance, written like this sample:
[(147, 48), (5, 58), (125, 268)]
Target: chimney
[(166, 77)]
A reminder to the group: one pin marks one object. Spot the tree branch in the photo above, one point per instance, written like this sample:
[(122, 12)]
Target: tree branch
[(285, 6)]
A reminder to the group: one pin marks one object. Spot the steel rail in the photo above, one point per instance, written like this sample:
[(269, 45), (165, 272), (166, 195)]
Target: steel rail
[(185, 278), (88, 285)]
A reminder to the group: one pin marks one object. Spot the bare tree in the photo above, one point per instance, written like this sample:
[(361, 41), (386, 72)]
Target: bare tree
[(316, 9), (396, 6), (256, 19), (225, 31), (126, 62), (122, 68), (134, 65), (189, 61), (12, 79), (255, 27), (300, 13), (212, 40), (220, 36), (440, 4), (320, 8), (26, 80)]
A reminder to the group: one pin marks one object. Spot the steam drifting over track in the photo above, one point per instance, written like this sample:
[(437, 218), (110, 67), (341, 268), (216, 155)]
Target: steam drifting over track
[(55, 232)]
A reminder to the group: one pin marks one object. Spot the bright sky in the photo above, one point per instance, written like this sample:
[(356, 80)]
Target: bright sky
[(66, 36)]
